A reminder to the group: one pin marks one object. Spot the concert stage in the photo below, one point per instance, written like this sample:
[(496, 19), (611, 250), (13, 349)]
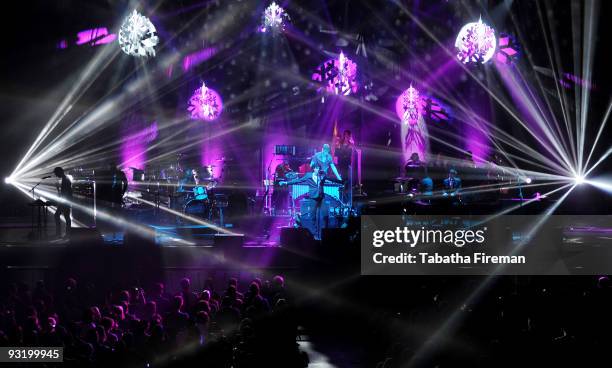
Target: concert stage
[(189, 181)]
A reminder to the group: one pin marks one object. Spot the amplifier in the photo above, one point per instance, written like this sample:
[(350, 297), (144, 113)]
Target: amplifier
[(286, 150)]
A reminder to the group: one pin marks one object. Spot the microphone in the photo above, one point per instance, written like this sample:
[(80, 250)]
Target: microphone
[(45, 177)]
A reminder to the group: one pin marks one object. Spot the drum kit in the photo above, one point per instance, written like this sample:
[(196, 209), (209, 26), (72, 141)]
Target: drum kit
[(197, 201), (187, 191), (197, 194)]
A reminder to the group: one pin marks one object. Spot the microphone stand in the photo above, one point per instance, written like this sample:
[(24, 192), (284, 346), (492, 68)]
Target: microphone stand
[(34, 188), (39, 222)]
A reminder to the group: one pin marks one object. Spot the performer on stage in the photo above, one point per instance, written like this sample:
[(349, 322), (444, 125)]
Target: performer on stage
[(280, 195), (344, 154), (118, 185), (322, 161), (415, 171), (281, 171), (315, 182), (452, 184), (208, 174), (414, 165), (189, 181), (64, 189)]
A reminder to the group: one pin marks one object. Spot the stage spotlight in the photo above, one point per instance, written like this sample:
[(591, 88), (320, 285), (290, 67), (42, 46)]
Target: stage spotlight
[(8, 180), (579, 179), (527, 180)]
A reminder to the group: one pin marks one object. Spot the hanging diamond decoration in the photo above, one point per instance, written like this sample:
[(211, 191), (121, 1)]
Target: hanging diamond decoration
[(138, 36), (475, 43), (205, 104), (274, 19)]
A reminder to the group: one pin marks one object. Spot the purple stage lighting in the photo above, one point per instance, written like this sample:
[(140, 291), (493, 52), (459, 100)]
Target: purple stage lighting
[(507, 50), (434, 109), (339, 76), (134, 147), (274, 19), (567, 80), (198, 57), (205, 104), (409, 106), (414, 103), (475, 43), (95, 37)]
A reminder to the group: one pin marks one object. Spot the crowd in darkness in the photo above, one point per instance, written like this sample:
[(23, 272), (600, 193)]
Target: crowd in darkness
[(540, 321), (138, 328)]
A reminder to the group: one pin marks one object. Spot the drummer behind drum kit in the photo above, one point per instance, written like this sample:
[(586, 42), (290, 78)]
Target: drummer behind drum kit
[(186, 191)]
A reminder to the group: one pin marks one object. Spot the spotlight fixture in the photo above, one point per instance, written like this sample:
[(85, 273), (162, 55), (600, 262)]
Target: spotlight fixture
[(579, 179), (527, 180), (8, 180), (475, 42), (138, 36)]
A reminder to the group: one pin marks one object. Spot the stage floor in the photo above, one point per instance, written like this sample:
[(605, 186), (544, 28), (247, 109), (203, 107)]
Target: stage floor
[(180, 246)]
